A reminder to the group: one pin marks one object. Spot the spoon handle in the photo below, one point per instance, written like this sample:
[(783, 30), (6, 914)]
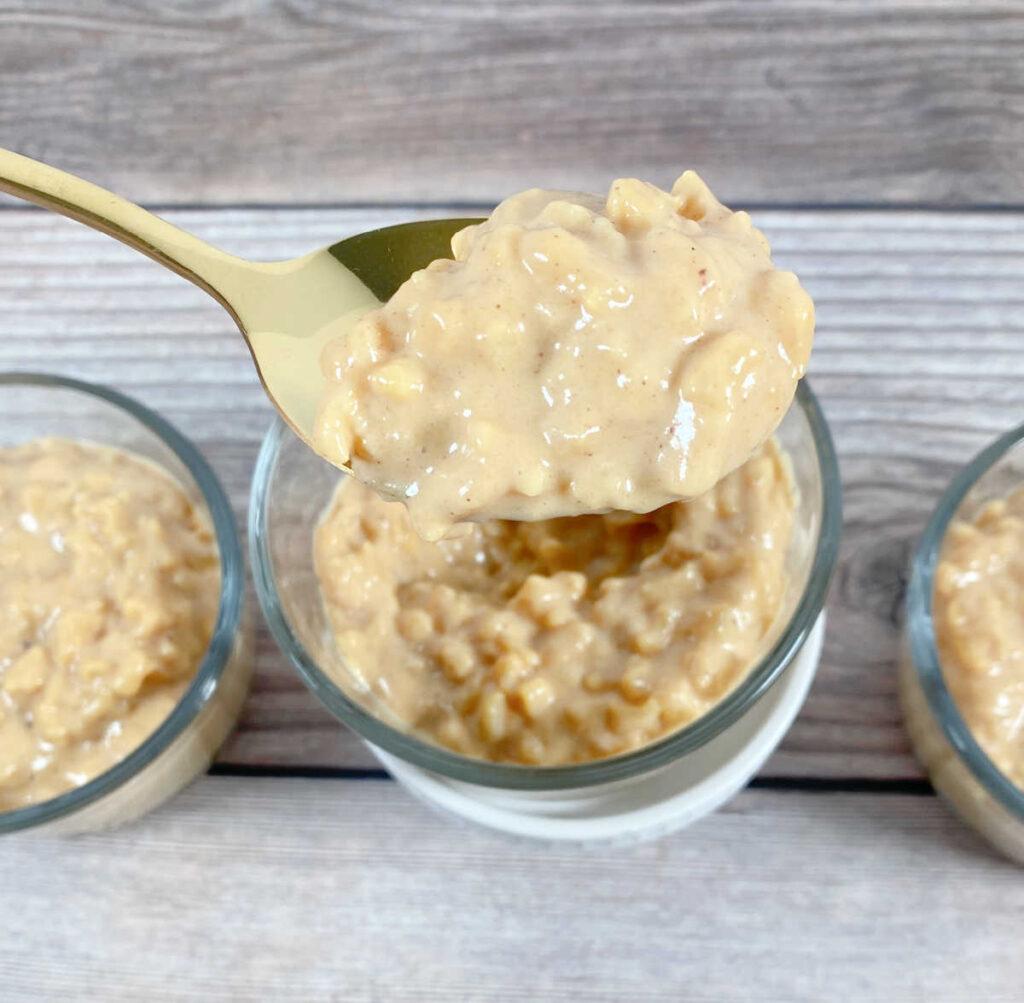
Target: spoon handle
[(208, 267)]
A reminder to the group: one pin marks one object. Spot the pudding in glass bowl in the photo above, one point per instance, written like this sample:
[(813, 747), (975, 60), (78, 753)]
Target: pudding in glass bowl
[(123, 647)]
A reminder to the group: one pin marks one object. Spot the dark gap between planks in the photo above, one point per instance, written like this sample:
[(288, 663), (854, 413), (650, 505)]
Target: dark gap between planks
[(10, 203), (819, 785)]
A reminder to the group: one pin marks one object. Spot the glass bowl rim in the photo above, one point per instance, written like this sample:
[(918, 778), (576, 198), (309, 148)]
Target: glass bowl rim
[(545, 778), (229, 611), (920, 626)]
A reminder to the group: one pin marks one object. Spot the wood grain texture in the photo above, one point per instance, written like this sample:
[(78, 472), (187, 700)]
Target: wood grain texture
[(292, 890), (919, 360), (316, 100)]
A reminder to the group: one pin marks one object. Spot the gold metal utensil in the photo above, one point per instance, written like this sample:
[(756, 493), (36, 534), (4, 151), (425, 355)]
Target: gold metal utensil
[(286, 310)]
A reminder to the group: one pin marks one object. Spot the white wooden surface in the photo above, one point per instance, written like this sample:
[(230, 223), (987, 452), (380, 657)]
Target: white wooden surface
[(838, 877), (292, 890)]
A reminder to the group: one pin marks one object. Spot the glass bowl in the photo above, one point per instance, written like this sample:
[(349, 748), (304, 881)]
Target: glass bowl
[(291, 488), (957, 765), (33, 405)]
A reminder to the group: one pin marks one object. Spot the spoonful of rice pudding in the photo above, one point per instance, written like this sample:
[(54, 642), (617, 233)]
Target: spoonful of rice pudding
[(573, 355), (576, 355)]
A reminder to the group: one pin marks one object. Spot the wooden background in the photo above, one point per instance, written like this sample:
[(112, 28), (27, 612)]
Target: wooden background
[(882, 148), (315, 101)]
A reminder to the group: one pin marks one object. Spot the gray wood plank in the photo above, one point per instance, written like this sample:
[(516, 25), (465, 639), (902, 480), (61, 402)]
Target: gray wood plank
[(919, 361), (342, 890), (234, 101)]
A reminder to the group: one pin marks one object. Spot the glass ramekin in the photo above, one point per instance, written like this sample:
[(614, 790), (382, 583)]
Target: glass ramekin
[(33, 405), (291, 488), (958, 767)]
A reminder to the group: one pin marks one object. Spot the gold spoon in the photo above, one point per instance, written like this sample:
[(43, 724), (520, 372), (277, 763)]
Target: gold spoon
[(286, 310)]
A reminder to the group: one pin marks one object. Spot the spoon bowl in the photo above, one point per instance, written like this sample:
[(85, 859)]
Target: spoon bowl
[(288, 319), (286, 310)]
